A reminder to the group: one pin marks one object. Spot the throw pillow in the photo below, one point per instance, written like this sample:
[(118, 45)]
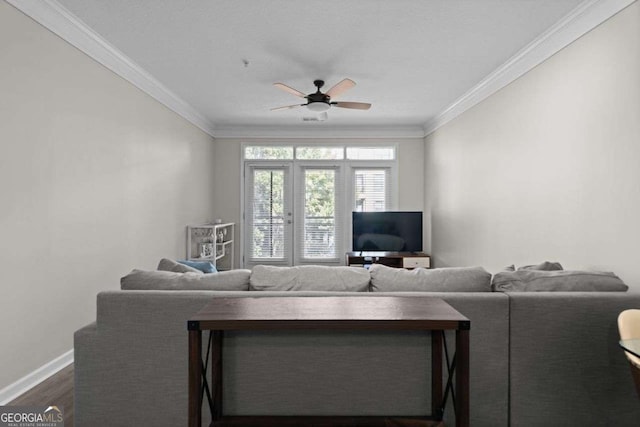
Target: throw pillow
[(543, 266), (456, 279), (171, 265), (560, 281), (309, 278), (232, 280), (204, 266)]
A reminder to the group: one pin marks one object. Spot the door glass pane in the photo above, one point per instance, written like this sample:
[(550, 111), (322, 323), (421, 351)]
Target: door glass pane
[(370, 190), (268, 219), (319, 214)]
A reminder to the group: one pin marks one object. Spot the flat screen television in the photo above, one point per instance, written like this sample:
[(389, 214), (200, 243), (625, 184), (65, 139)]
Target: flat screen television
[(387, 231)]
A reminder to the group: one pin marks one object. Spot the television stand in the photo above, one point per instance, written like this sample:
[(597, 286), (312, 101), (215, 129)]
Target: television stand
[(407, 260)]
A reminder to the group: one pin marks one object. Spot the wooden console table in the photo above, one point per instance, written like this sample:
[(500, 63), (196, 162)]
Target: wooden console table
[(355, 313)]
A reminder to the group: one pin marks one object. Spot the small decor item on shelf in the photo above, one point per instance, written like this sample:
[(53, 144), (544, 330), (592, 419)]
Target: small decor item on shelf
[(206, 250), (213, 243)]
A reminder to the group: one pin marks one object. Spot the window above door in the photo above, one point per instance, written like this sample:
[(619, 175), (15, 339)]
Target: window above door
[(312, 152)]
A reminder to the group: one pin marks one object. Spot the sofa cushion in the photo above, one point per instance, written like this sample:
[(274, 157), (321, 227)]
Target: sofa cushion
[(232, 280), (166, 264), (543, 266), (559, 280), (455, 279), (309, 278)]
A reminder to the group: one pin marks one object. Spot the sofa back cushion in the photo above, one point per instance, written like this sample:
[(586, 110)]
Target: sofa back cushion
[(455, 279), (309, 278), (544, 266), (557, 281), (232, 280)]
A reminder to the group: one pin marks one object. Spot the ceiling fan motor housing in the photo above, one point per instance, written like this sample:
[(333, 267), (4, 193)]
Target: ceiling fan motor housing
[(318, 101)]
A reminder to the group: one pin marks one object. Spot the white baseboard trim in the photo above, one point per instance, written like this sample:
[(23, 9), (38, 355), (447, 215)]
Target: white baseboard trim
[(12, 391)]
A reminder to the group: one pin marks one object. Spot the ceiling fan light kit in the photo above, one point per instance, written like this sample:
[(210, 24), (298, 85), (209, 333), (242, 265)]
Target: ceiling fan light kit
[(319, 102), (318, 106)]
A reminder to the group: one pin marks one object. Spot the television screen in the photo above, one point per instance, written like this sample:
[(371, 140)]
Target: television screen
[(387, 231)]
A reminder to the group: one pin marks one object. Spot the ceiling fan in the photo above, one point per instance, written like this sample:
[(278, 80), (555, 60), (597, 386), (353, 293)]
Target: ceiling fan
[(320, 102)]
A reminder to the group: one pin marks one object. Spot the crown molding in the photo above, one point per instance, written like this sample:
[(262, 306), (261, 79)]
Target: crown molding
[(55, 17), (321, 132), (585, 17)]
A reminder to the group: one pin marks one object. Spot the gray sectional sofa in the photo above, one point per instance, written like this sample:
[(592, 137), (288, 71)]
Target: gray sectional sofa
[(537, 358)]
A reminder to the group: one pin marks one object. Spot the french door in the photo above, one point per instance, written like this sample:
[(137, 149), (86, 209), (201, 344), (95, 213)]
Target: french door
[(293, 214), (268, 215), (318, 223)]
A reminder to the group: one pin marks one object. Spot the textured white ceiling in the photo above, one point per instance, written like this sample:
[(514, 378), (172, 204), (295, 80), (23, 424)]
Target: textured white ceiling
[(409, 58)]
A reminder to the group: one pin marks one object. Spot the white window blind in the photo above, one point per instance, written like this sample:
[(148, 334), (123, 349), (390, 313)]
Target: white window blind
[(268, 216), (371, 189)]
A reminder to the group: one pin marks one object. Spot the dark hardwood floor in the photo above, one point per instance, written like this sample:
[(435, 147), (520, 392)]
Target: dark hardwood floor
[(56, 390)]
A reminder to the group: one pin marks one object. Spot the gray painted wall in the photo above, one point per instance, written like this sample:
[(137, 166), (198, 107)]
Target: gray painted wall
[(548, 167), (96, 178)]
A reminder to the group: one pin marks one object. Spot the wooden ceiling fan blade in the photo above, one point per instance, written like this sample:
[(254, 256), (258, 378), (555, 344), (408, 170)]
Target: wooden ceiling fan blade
[(352, 105), (291, 90), (287, 107), (341, 87)]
